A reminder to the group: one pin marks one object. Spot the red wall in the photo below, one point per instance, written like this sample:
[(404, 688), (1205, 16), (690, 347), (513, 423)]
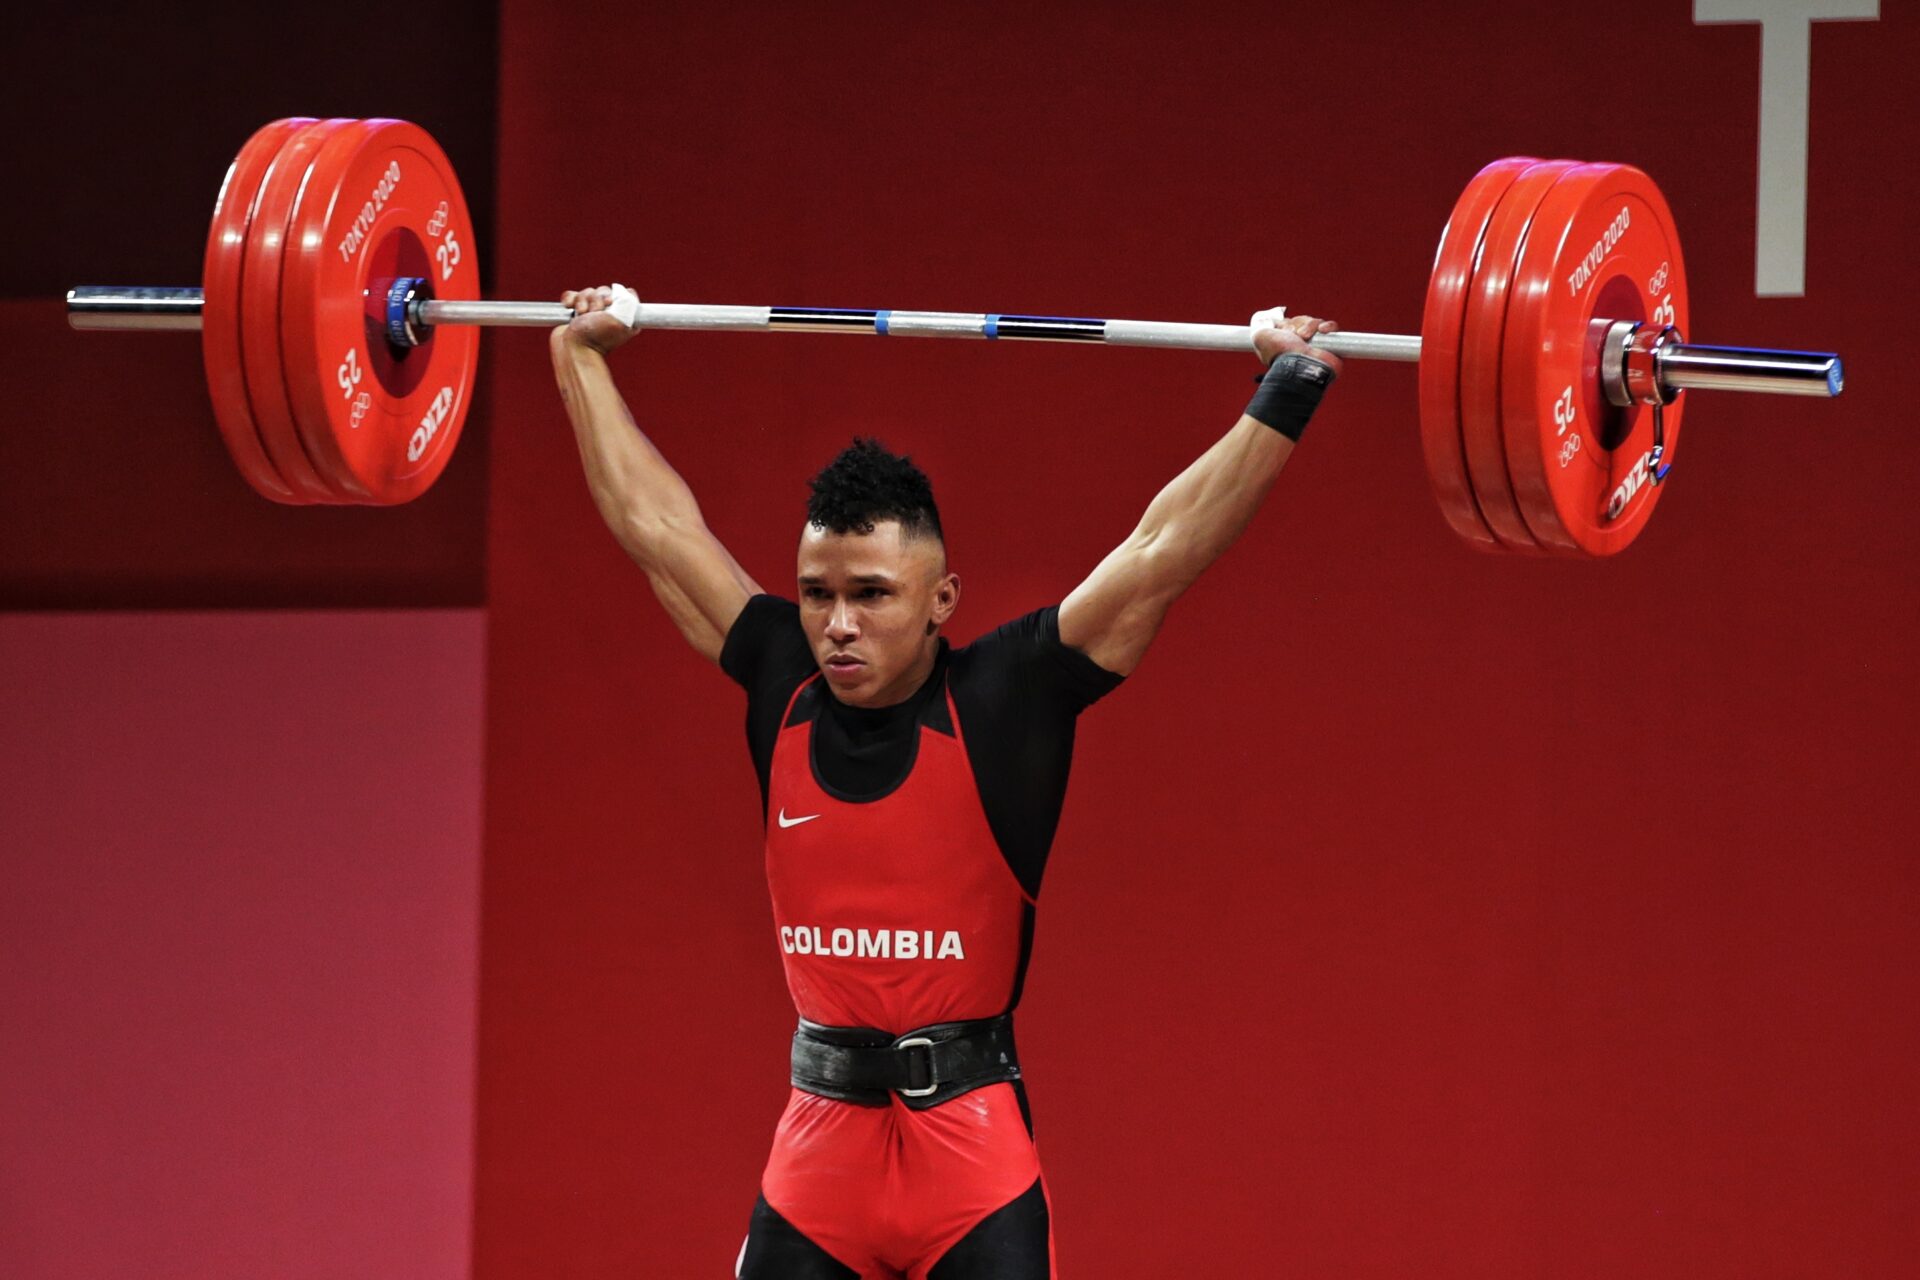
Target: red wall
[(238, 943), (1500, 918)]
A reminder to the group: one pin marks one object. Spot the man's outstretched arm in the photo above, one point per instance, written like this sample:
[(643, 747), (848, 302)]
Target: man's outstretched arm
[(646, 504), (1113, 616)]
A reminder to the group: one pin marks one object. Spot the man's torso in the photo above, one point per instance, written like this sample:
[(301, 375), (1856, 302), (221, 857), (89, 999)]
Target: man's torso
[(905, 845)]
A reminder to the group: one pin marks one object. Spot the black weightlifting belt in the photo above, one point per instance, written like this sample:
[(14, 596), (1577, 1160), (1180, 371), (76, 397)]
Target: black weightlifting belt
[(923, 1068)]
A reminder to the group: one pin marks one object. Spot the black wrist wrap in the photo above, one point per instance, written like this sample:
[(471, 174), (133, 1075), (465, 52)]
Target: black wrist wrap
[(1289, 393)]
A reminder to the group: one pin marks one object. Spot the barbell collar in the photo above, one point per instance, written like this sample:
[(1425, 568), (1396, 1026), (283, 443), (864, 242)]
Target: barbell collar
[(1682, 366), (1644, 364)]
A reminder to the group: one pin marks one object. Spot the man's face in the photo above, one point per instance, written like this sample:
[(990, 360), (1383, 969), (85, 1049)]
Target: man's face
[(866, 600)]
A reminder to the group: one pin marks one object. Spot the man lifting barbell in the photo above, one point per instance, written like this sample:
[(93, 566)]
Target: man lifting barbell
[(338, 313), (910, 792), (338, 309)]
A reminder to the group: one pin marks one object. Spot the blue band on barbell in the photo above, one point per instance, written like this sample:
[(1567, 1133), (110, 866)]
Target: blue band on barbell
[(990, 326)]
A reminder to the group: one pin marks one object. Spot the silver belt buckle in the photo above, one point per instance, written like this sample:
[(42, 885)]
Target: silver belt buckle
[(916, 1042)]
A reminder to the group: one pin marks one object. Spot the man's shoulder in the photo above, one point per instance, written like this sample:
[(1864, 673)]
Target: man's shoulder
[(769, 608), (765, 640), (1026, 634), (1024, 660)]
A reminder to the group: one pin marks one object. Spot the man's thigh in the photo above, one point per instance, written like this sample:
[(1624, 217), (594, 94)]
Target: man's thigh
[(1014, 1242)]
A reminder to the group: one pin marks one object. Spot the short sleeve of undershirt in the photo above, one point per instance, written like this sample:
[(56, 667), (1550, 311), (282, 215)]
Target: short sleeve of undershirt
[(766, 653), (1022, 668), (766, 646), (1019, 691)]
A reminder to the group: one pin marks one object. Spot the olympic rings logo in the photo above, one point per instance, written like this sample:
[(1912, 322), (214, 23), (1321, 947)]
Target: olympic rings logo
[(438, 222), (1659, 281), (361, 404), (1568, 448)]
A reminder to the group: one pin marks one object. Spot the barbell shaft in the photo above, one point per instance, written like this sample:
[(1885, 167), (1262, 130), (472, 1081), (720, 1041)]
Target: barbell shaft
[(1683, 366), (94, 306), (113, 307)]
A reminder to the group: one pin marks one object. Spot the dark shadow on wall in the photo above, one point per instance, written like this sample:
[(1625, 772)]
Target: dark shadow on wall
[(115, 491)]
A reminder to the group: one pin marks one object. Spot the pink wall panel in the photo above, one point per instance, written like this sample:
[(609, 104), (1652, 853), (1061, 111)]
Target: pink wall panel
[(1502, 918), (238, 944)]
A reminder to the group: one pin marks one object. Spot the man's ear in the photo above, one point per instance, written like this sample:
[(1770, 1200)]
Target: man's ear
[(946, 598)]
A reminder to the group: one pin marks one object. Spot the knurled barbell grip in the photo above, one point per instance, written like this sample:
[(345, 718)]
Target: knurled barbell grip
[(923, 324), (1683, 366)]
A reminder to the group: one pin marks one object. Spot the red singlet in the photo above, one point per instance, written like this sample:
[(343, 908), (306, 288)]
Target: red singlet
[(893, 914)]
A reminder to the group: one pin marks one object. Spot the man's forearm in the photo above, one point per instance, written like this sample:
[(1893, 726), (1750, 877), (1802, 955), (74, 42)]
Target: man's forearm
[(1113, 616), (633, 484), (1197, 517), (646, 504)]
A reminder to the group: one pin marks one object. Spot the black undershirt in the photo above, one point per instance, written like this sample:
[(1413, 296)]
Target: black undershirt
[(1017, 689)]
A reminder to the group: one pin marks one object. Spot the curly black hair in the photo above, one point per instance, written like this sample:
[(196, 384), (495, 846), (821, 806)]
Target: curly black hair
[(868, 483)]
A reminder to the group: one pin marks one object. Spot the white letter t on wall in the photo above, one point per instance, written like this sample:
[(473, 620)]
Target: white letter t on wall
[(1786, 37)]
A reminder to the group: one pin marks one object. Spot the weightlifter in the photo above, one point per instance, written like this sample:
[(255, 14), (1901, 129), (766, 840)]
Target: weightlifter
[(910, 791)]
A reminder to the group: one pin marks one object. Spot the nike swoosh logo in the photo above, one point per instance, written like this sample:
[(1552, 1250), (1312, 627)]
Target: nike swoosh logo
[(785, 821)]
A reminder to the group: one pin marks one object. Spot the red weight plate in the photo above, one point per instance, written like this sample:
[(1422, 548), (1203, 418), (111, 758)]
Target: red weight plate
[(260, 335), (1603, 247), (381, 203), (1480, 353), (220, 279), (1440, 334)]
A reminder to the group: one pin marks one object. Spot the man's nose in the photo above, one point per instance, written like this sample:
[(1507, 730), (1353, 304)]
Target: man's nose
[(840, 624)]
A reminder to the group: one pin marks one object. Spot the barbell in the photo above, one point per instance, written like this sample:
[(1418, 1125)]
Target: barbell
[(340, 298)]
